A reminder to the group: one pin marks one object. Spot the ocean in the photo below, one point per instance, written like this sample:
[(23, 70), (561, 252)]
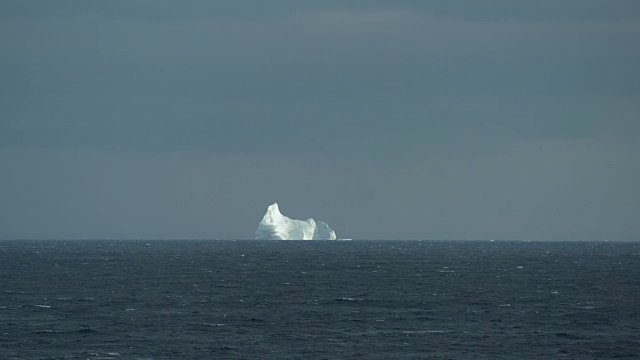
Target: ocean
[(197, 299)]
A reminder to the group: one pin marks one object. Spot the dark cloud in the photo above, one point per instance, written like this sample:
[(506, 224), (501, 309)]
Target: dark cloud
[(490, 10), (366, 104), (538, 11)]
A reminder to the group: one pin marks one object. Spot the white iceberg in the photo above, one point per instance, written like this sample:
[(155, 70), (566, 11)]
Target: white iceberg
[(275, 226)]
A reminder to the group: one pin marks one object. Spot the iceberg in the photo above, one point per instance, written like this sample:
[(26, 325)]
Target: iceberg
[(275, 226)]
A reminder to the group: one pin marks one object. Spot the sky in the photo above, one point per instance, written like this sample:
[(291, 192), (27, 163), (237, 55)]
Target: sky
[(156, 119)]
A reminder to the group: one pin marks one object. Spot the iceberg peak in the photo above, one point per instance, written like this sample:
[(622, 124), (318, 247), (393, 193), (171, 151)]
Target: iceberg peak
[(275, 226), (273, 211)]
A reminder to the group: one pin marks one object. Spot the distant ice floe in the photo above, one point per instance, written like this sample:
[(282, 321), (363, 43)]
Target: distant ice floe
[(275, 226)]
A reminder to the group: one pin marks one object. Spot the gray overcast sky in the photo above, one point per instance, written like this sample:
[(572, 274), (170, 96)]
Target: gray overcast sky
[(386, 119)]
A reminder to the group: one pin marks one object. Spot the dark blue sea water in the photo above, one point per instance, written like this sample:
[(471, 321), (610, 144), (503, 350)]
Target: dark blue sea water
[(318, 300)]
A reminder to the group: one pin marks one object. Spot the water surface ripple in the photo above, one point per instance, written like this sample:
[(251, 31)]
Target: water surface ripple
[(318, 300)]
